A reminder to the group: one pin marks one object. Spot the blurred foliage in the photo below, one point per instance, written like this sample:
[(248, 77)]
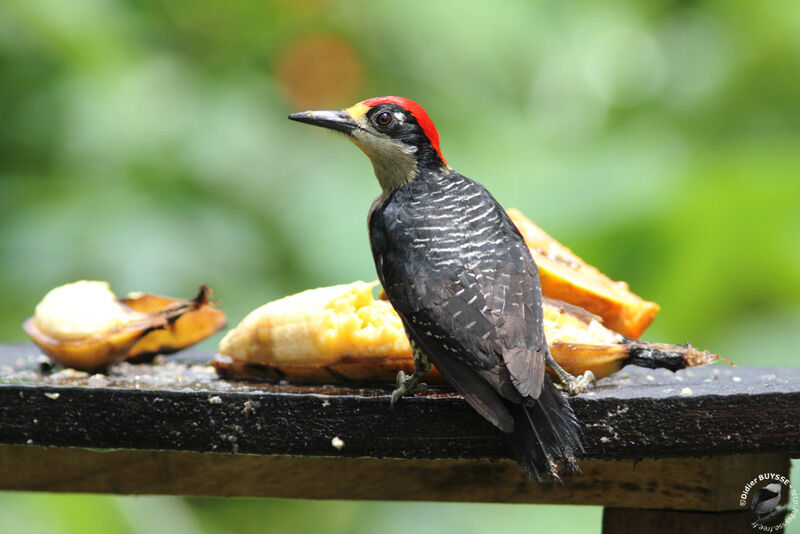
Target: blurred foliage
[(146, 143)]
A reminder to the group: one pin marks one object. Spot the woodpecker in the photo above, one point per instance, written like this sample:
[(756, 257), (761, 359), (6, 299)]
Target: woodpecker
[(463, 282)]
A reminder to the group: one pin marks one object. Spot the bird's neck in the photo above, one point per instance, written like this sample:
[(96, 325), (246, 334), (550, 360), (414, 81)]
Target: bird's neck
[(398, 172), (395, 172), (395, 163)]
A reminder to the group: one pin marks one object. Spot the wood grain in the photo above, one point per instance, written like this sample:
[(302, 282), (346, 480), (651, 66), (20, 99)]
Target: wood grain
[(627, 520), (680, 483)]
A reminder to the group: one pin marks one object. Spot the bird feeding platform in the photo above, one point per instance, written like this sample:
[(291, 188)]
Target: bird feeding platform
[(663, 450)]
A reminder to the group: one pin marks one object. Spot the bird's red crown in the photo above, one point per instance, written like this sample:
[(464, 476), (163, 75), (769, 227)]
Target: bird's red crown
[(419, 114)]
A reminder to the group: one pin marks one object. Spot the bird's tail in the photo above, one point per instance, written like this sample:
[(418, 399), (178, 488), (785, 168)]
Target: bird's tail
[(546, 437)]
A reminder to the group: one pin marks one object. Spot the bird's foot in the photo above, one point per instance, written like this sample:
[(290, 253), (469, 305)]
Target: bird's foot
[(576, 384), (407, 385), (571, 384)]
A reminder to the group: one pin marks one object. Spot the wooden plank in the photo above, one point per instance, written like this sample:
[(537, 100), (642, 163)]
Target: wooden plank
[(677, 483), (180, 404), (627, 520)]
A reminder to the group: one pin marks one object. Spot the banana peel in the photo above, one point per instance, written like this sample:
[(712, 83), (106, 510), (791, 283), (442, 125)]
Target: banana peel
[(565, 276), (343, 334), (190, 328), (84, 326), (579, 343)]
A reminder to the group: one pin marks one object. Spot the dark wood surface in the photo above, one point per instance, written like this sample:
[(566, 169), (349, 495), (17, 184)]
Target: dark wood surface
[(627, 520), (179, 404), (710, 484)]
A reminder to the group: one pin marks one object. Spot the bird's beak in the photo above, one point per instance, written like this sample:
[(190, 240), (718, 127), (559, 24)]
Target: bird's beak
[(338, 120)]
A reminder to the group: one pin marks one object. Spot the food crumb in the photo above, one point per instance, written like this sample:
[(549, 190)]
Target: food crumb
[(69, 374), (215, 400), (686, 391), (97, 380), (52, 396), (249, 408), (326, 403), (337, 443), (736, 378)]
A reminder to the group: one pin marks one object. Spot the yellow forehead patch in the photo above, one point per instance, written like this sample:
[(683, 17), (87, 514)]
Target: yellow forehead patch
[(358, 111)]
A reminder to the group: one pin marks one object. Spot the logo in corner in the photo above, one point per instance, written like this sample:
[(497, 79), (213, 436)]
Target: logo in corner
[(762, 496)]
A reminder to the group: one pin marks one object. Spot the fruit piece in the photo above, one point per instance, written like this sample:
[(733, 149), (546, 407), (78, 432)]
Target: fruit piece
[(329, 334), (192, 327), (566, 277), (83, 325), (579, 343), (79, 310), (343, 334)]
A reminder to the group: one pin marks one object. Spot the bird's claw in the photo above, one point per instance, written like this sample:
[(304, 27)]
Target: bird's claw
[(578, 384), (405, 386), (400, 380)]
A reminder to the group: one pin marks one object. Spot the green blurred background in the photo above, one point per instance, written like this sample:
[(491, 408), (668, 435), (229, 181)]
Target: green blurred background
[(145, 142)]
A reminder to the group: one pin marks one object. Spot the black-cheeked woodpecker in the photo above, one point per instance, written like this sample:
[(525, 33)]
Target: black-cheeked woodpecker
[(464, 283)]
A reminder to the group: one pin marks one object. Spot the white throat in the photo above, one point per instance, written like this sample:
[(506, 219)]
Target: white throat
[(394, 162)]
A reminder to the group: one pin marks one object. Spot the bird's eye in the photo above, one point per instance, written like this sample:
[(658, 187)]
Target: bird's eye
[(384, 118)]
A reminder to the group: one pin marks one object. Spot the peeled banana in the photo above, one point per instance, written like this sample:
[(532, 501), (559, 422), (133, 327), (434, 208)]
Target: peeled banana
[(344, 334), (83, 325)]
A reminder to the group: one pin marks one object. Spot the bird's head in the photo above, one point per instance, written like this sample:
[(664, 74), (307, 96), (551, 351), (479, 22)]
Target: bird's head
[(396, 134)]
